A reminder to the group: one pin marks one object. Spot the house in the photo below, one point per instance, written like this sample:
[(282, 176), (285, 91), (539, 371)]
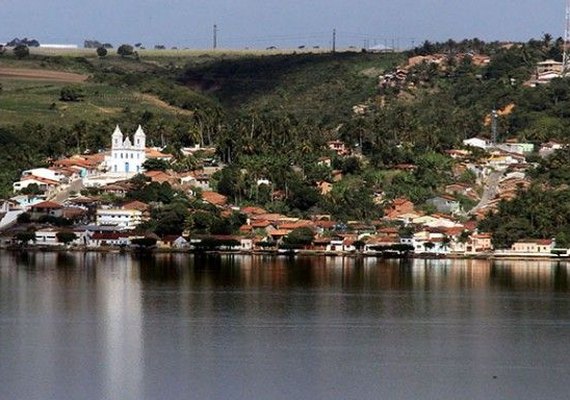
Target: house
[(119, 217), (202, 181), (44, 185), (325, 161), (154, 152), (379, 244), (477, 142), (340, 245), (536, 246), (115, 189), (136, 205), (458, 154), (549, 148), (86, 165), (119, 239), (252, 210), (46, 208), (46, 237), (45, 173), (398, 207), (339, 147), (445, 204), (214, 198), (479, 242), (161, 177), (516, 147)]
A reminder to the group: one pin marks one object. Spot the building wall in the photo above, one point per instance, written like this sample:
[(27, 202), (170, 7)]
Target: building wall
[(119, 217)]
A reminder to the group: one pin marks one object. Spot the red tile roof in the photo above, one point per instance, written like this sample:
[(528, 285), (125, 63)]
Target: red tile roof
[(47, 205)]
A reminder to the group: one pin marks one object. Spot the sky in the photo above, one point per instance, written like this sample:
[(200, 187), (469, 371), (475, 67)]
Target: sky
[(281, 23)]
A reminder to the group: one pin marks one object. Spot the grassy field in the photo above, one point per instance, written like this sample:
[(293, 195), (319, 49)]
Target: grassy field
[(305, 83), (38, 102)]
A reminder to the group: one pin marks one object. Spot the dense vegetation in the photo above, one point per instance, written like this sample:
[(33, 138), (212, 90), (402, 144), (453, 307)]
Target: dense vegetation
[(270, 117)]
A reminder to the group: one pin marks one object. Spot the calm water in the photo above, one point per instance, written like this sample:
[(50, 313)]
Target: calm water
[(94, 326)]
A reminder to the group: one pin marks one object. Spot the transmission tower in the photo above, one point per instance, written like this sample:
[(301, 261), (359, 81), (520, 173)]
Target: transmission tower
[(566, 57), (494, 128)]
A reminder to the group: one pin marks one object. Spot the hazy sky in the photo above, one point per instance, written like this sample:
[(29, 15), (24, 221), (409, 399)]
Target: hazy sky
[(283, 23)]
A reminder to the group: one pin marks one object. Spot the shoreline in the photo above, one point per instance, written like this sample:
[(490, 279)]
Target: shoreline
[(275, 253)]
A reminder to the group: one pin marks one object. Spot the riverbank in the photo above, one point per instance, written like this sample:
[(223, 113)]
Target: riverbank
[(289, 253)]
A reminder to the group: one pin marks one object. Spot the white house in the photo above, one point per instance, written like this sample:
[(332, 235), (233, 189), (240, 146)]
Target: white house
[(126, 157), (47, 237), (476, 142), (119, 217), (44, 173)]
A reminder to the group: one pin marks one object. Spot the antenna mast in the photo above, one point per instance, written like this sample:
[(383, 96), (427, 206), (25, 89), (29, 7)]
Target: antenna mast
[(494, 127), (566, 57)]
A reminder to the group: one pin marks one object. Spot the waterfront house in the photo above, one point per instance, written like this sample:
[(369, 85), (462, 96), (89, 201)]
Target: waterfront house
[(530, 246)]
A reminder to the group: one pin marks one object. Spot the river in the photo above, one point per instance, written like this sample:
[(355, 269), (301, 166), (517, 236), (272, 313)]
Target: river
[(175, 326)]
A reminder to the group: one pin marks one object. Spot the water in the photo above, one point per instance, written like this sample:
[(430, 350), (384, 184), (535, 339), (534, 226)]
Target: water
[(110, 326)]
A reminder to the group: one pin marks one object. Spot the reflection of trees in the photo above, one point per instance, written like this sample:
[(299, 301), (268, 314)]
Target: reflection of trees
[(524, 275)]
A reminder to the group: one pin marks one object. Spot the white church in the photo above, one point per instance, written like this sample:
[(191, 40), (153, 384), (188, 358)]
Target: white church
[(126, 157)]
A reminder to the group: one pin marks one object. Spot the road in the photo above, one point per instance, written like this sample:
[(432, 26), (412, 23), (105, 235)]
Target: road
[(491, 189), (64, 194)]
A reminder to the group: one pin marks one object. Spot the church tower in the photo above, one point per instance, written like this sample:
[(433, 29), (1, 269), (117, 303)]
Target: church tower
[(117, 138), (140, 138)]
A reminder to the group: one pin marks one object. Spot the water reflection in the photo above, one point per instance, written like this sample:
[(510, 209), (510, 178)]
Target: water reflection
[(116, 326)]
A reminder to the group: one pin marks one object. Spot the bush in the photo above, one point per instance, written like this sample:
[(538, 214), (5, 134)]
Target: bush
[(70, 93), (125, 50), (21, 51)]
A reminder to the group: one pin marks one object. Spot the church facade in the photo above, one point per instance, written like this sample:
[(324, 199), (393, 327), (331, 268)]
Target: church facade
[(126, 156)]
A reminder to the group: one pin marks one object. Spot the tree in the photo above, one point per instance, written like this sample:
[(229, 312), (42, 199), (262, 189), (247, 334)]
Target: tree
[(125, 50), (70, 93), (155, 164), (101, 51), (25, 237), (145, 243), (300, 237), (24, 218), (429, 246), (21, 51), (66, 237)]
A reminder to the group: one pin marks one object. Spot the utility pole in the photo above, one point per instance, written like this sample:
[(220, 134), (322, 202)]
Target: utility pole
[(215, 37), (334, 41), (566, 57)]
